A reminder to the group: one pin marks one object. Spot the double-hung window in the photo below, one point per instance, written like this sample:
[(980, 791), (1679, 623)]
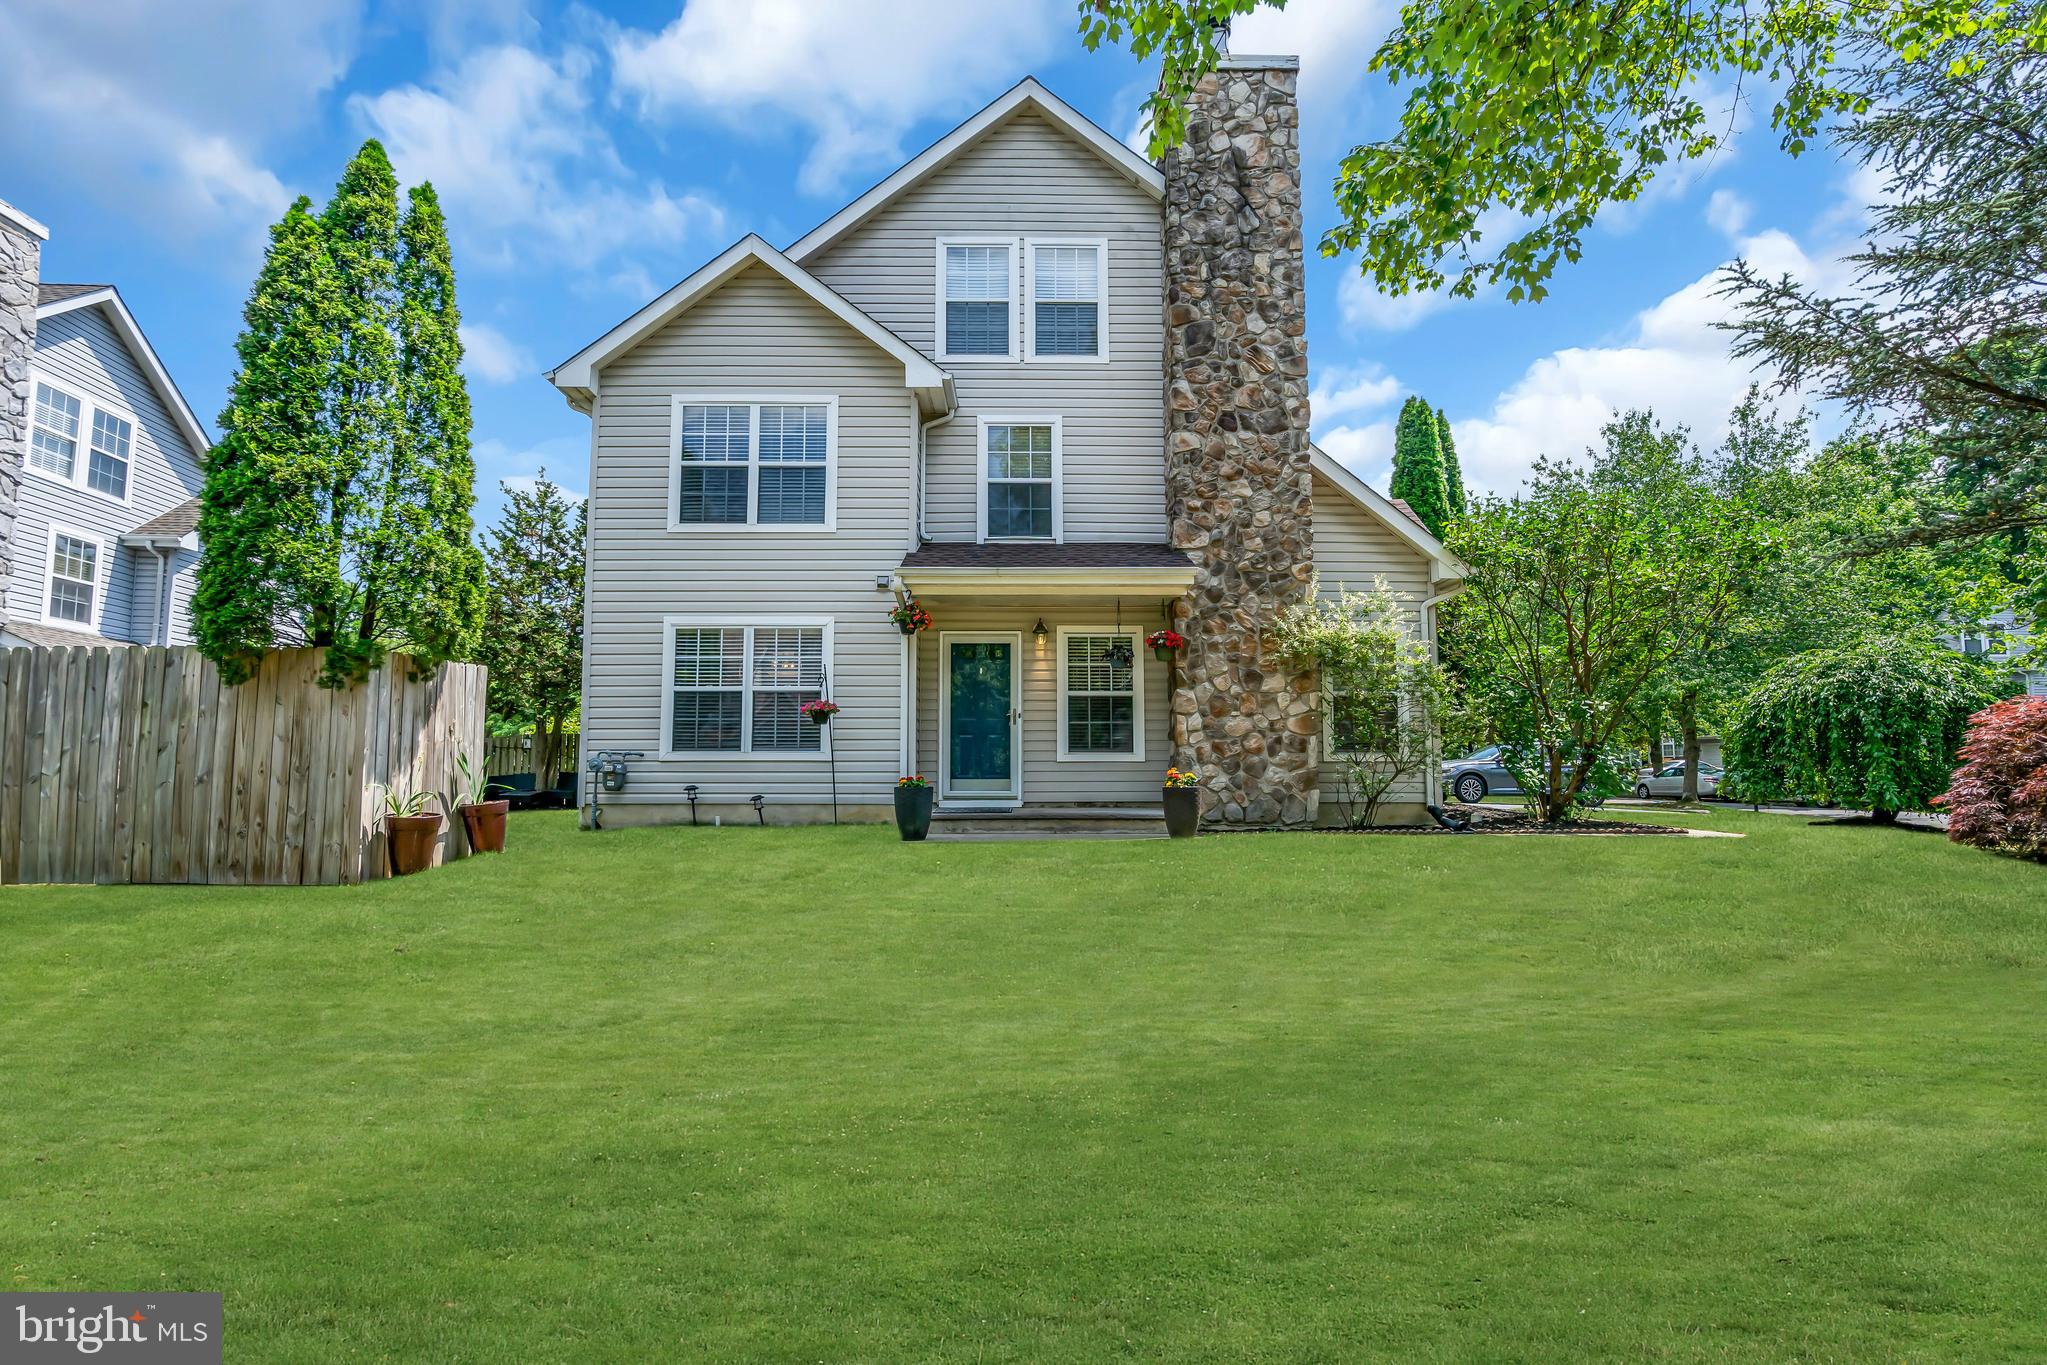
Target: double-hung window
[(1101, 705), (755, 461), (72, 597), (738, 687), (1020, 478), (977, 299), (61, 422), (1068, 281)]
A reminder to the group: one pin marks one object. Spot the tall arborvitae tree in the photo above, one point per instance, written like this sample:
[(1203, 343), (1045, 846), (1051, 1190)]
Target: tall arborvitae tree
[(428, 531), (262, 508), (1453, 473), (1418, 465), (350, 407)]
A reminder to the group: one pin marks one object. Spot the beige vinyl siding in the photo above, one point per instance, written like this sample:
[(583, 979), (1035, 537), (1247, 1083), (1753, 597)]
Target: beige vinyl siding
[(80, 352), (1047, 780), (757, 334), (1353, 551), (1026, 178)]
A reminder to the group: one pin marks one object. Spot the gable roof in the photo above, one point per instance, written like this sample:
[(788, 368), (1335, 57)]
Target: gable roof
[(173, 527), (1026, 93), (1406, 526), (55, 299), (576, 376)]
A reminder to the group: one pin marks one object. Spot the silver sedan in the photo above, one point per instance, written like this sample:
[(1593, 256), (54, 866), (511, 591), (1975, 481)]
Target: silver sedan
[(1669, 781)]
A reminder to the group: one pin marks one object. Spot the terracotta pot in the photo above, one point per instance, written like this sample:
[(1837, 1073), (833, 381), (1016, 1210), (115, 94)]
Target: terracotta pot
[(1183, 811), (913, 813), (485, 822), (410, 841)]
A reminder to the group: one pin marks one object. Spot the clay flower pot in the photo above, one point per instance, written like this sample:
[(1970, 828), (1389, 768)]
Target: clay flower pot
[(410, 840), (1183, 811), (485, 822)]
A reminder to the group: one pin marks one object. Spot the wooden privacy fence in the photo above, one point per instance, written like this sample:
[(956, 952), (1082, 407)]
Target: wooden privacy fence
[(137, 765)]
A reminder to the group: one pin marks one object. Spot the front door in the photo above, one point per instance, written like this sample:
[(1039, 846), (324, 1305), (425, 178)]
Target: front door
[(982, 715)]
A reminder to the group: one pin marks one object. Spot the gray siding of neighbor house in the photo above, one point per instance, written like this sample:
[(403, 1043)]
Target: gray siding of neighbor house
[(755, 335), (80, 352), (1046, 779), (1026, 178), (1354, 551)]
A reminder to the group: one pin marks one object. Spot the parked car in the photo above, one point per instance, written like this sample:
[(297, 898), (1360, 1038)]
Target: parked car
[(1669, 780), (1474, 777)]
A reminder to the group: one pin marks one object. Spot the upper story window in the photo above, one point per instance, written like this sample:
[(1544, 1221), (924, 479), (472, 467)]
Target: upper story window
[(1068, 283), (1020, 478), (73, 594), (977, 296), (1023, 298), (60, 421), (755, 461)]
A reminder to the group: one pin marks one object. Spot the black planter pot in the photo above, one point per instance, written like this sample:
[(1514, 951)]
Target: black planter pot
[(1183, 812), (913, 813)]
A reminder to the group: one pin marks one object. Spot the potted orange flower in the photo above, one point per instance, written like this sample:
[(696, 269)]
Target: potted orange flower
[(1183, 803), (913, 808)]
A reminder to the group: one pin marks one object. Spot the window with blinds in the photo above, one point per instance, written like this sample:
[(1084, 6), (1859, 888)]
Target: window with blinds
[(1099, 694), (763, 463), (107, 466), (53, 441), (74, 578), (1019, 468), (978, 283), (1066, 300), (740, 689)]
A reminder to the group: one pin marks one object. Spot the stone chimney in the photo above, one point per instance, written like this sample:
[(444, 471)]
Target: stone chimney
[(21, 252), (1237, 467)]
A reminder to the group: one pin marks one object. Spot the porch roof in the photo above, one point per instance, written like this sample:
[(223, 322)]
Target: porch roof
[(1037, 568)]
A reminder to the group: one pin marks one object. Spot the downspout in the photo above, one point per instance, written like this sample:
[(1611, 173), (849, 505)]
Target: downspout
[(923, 458), (157, 625), (1432, 782)]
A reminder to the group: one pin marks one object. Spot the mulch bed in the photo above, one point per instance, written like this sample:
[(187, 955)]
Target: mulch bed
[(1506, 820)]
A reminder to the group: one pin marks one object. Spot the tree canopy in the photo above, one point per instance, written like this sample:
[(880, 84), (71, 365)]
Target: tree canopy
[(533, 635), (1418, 465), (1536, 116)]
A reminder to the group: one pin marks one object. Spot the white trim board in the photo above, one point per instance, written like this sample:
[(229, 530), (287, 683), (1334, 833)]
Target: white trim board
[(109, 301), (576, 377), (1025, 93)]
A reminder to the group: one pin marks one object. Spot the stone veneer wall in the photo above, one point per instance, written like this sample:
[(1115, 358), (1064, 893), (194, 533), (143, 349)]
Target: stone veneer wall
[(20, 273), (1237, 460)]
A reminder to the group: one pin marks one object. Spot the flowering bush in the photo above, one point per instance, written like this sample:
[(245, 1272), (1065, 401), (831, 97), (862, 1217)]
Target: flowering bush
[(1178, 778), (910, 617), (913, 780), (1165, 639), (1998, 797), (819, 711)]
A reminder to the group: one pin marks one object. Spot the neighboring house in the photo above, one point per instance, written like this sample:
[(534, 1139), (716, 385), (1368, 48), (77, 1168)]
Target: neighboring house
[(2005, 639), (103, 543), (1056, 394)]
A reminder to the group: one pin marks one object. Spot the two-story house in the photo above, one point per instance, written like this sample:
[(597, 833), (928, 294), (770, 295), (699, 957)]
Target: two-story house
[(99, 465), (1053, 393)]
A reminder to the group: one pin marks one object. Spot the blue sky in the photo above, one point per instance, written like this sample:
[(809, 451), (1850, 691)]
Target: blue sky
[(591, 155)]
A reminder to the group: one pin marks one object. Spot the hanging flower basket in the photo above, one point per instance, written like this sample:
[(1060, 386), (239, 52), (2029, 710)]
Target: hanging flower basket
[(818, 712), (1165, 644), (911, 617)]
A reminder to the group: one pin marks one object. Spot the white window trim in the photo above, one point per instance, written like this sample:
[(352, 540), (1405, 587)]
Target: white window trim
[(103, 575), (753, 402), (1014, 354), (1030, 309), (1037, 419), (81, 464), (1136, 637), (745, 751)]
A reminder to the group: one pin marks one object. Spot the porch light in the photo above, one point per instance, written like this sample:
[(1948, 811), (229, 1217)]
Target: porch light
[(1038, 632)]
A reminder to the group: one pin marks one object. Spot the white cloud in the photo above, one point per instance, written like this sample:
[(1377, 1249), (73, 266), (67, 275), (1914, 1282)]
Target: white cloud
[(856, 73), (118, 98), (1727, 212), (1366, 451), (1672, 360), (1347, 389), (564, 459), (1334, 40), (508, 140), (1364, 304), (493, 357)]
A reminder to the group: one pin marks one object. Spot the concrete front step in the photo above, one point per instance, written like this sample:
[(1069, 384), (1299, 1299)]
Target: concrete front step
[(1048, 822)]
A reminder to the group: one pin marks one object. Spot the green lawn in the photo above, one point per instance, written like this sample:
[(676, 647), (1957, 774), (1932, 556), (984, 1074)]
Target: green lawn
[(818, 1095)]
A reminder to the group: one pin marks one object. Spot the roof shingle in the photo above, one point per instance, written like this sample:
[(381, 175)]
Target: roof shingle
[(1113, 554), (57, 293), (180, 520)]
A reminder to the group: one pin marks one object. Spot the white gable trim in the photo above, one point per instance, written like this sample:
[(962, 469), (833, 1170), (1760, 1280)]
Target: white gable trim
[(576, 377), (1442, 564), (109, 301), (1025, 92)]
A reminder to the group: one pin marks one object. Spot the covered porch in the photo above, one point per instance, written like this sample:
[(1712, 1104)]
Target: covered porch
[(1033, 688)]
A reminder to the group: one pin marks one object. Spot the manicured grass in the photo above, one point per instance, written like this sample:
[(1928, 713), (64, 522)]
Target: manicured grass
[(817, 1095)]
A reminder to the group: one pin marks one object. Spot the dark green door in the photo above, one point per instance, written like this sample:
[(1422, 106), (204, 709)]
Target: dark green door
[(981, 700)]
